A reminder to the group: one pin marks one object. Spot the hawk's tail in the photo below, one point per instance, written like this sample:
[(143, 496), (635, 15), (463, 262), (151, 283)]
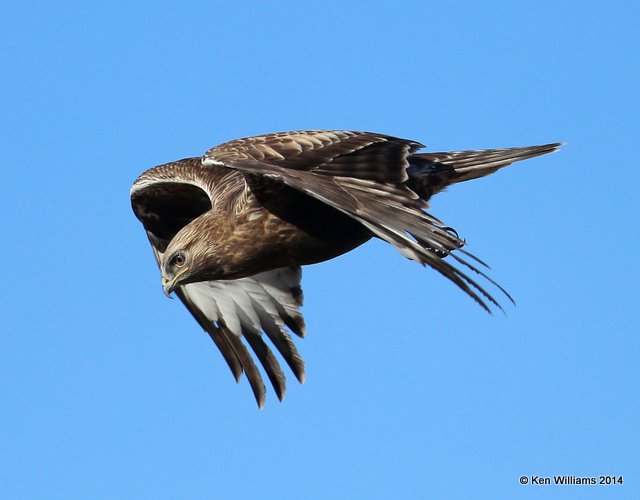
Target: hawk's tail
[(430, 173)]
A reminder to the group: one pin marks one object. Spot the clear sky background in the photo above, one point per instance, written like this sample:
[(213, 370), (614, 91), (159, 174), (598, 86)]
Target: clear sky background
[(108, 390)]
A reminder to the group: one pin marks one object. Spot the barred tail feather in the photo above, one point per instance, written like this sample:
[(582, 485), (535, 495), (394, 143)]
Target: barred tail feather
[(430, 173)]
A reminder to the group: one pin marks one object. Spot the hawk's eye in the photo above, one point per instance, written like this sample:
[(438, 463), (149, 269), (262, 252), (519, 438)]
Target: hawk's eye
[(178, 260)]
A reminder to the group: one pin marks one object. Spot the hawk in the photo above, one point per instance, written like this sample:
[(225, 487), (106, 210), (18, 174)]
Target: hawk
[(230, 230)]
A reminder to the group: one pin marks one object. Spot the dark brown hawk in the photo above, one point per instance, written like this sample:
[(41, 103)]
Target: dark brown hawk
[(231, 229)]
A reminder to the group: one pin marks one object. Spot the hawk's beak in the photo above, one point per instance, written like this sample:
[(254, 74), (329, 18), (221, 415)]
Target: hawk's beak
[(168, 285)]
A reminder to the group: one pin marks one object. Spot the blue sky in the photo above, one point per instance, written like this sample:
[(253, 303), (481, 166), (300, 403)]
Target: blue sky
[(108, 390)]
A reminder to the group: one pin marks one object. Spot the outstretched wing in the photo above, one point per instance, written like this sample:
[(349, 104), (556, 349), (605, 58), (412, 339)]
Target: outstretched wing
[(364, 176), (168, 197), (343, 153), (267, 302)]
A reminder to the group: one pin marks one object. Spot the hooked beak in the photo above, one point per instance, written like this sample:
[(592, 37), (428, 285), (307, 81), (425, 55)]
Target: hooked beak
[(168, 285)]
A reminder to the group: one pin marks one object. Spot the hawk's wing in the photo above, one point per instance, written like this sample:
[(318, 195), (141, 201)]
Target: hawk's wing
[(168, 197), (231, 309), (364, 176)]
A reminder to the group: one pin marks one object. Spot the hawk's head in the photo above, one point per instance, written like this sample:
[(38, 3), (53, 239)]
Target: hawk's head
[(185, 259)]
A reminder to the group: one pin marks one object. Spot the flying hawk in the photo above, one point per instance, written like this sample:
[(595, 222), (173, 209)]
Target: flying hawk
[(230, 230)]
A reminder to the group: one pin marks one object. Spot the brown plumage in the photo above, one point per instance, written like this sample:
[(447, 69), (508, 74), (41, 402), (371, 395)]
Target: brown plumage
[(231, 229)]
